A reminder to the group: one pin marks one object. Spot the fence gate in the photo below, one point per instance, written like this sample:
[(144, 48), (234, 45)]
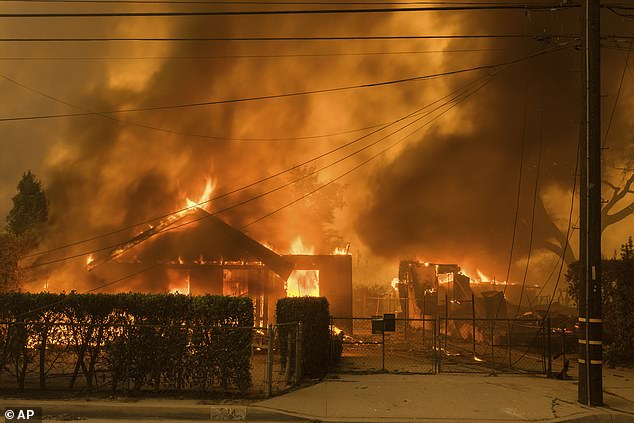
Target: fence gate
[(452, 345)]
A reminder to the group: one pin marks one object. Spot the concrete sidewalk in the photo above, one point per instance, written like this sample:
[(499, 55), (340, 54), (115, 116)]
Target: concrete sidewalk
[(454, 398), (383, 398)]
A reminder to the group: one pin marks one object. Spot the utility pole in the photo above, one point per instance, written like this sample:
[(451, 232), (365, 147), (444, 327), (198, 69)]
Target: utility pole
[(590, 317)]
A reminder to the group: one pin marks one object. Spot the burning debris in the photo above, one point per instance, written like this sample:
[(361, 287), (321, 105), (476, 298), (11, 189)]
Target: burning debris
[(423, 287)]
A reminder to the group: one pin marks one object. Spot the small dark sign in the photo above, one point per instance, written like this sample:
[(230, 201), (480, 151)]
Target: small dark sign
[(377, 325), (389, 322)]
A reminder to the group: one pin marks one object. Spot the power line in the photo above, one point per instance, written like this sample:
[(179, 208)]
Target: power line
[(519, 182), (248, 56), (275, 96), (289, 38), (82, 254), (295, 201), (188, 134), (262, 180), (548, 7), (535, 191), (271, 3), (618, 95)]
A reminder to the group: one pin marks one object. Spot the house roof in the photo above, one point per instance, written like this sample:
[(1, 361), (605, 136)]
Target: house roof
[(207, 239)]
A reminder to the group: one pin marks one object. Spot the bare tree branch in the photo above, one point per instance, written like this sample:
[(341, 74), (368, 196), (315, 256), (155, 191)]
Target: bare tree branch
[(611, 219), (617, 195), (614, 187)]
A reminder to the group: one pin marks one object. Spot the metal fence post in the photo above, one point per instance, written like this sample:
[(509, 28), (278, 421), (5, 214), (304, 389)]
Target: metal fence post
[(289, 350), (437, 341), (473, 322), (268, 373), (508, 342), (298, 353), (492, 350), (446, 320), (549, 368), (383, 348), (433, 326)]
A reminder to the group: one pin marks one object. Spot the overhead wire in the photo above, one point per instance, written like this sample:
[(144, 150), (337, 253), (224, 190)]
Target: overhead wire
[(288, 38), (269, 214), (261, 180), (618, 95), (248, 56), (550, 7), (261, 195), (519, 183), (568, 230), (535, 191), (183, 133), (276, 96), (270, 3)]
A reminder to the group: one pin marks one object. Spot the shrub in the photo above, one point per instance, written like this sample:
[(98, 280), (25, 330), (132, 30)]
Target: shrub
[(314, 314), (148, 340), (617, 297)]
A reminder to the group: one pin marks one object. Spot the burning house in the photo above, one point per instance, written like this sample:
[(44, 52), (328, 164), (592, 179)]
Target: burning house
[(196, 253)]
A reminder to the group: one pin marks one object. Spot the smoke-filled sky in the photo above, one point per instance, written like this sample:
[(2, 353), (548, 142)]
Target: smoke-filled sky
[(447, 193)]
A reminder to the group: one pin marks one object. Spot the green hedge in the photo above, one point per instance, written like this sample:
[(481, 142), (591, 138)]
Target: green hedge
[(314, 314), (138, 341)]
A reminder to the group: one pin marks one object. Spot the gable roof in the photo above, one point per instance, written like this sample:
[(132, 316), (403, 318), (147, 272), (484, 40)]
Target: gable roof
[(207, 239)]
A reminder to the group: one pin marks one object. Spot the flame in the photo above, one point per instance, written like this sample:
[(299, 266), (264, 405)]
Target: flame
[(203, 201), (298, 247), (89, 263), (342, 251), (395, 283), (302, 283), (483, 278), (177, 285)]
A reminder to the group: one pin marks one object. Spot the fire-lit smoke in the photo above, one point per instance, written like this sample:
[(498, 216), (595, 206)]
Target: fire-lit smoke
[(447, 193), (451, 196)]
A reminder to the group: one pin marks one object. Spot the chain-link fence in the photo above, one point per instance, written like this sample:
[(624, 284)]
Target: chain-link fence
[(134, 358), (464, 345)]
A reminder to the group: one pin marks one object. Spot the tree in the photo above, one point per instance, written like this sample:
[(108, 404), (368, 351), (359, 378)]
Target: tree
[(10, 252), (555, 239), (617, 285), (30, 210), (25, 224)]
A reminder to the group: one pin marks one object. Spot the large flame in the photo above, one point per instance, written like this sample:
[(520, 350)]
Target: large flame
[(302, 283), (203, 201), (482, 276)]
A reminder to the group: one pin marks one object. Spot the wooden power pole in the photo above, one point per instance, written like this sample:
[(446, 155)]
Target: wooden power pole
[(590, 317)]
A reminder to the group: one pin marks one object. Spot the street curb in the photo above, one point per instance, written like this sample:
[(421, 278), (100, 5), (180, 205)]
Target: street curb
[(220, 412), (197, 412)]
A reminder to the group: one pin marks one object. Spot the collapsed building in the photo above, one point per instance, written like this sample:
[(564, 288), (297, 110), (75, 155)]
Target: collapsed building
[(197, 253), (432, 289)]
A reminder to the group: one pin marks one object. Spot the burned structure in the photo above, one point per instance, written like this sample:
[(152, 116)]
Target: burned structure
[(197, 253), (432, 289)]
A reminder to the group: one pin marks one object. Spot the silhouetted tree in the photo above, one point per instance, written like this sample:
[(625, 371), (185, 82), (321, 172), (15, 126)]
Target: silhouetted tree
[(25, 224), (555, 240), (11, 249), (30, 210)]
